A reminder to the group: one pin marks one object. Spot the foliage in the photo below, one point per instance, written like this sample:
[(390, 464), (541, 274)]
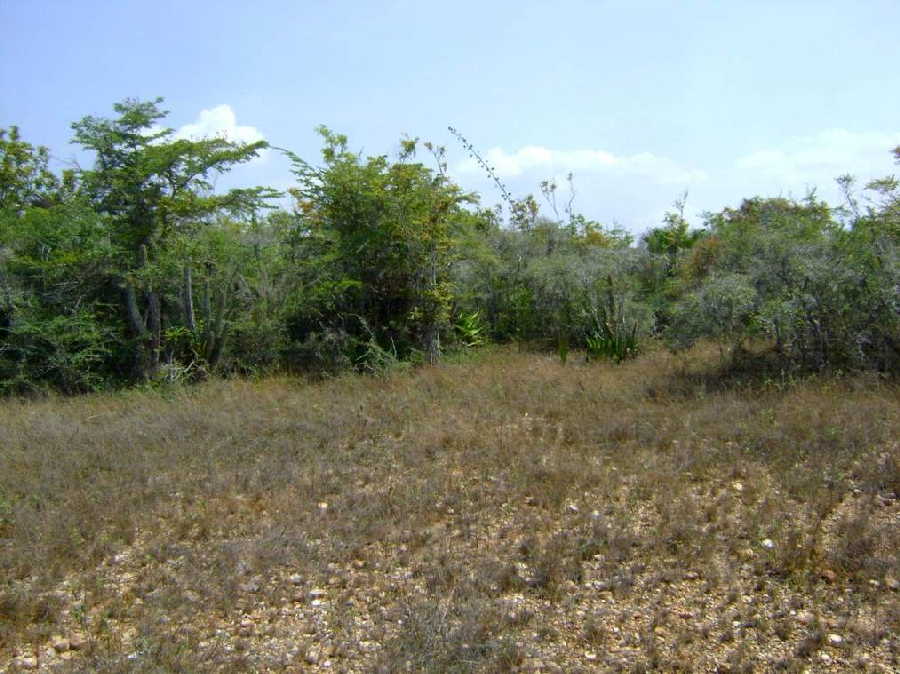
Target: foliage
[(721, 308), (614, 336), (25, 179), (155, 192), (384, 233), (469, 329), (825, 295), (137, 269)]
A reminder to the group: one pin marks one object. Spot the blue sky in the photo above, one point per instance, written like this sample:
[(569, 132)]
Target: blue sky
[(642, 99)]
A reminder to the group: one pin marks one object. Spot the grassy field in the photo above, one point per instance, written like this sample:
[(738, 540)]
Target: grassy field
[(507, 513)]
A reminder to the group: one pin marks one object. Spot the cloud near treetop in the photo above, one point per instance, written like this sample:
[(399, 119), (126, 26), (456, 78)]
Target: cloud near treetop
[(538, 159), (219, 122), (818, 159)]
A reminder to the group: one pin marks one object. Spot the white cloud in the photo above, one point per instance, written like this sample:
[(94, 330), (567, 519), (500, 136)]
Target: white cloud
[(818, 159), (534, 159), (219, 122)]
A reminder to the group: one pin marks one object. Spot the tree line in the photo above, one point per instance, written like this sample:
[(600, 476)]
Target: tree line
[(138, 270)]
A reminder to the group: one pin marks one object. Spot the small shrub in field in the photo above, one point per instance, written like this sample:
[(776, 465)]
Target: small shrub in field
[(614, 335)]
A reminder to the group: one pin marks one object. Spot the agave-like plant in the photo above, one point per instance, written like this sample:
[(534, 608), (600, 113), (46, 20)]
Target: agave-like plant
[(614, 337), (470, 329)]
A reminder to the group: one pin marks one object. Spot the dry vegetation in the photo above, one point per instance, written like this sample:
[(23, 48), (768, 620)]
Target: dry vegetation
[(502, 514)]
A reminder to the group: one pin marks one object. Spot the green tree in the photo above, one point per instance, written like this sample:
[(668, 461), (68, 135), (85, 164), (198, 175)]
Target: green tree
[(386, 229), (154, 189), (25, 179), (825, 295), (674, 237)]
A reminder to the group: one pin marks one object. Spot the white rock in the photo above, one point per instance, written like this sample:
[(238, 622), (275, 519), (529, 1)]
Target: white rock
[(251, 586), (835, 639), (768, 543), (806, 618)]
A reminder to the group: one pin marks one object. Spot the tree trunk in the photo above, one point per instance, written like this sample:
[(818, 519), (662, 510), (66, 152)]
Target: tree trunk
[(188, 299), (431, 334), (217, 333), (146, 328), (7, 306), (432, 344), (205, 305), (154, 344)]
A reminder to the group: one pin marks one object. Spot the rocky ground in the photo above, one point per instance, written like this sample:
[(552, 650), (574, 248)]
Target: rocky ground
[(504, 515)]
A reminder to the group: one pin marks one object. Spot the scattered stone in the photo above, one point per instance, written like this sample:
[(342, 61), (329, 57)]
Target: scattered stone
[(691, 575), (892, 583), (737, 486), (768, 543), (806, 618), (317, 593), (77, 641), (572, 508), (252, 586), (296, 579), (27, 662), (60, 644), (835, 639), (829, 575)]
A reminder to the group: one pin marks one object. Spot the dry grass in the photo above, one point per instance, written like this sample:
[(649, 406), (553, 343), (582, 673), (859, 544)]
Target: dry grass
[(499, 514)]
